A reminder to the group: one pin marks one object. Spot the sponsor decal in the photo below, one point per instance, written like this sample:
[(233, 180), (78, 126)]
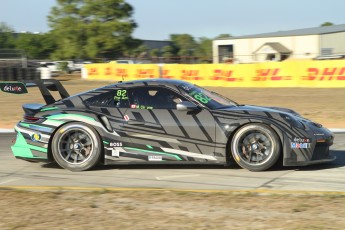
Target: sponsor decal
[(126, 117), (115, 144), (155, 158), (115, 153), (300, 143), (36, 137), (295, 145), (301, 140), (13, 87)]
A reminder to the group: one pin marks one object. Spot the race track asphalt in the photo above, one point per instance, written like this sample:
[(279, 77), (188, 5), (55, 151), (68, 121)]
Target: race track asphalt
[(324, 177)]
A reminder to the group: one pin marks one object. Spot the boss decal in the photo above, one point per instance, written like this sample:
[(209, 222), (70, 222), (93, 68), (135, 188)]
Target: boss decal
[(115, 144)]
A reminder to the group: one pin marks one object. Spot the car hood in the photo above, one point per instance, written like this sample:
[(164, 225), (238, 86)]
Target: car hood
[(261, 109)]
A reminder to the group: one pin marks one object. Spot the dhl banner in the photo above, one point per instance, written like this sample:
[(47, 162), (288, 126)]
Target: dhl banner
[(121, 72), (318, 74)]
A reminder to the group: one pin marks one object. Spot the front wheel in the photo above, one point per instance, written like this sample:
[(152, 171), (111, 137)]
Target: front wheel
[(255, 147), (76, 146)]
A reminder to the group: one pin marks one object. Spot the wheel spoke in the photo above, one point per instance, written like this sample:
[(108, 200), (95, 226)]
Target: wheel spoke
[(68, 155)]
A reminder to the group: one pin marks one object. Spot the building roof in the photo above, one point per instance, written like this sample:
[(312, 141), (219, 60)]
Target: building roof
[(299, 32), (277, 47)]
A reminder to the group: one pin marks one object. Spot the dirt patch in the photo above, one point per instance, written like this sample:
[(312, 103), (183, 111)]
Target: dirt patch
[(326, 106), (168, 210)]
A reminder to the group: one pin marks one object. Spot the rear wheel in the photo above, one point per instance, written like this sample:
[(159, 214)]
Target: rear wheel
[(76, 147), (255, 147)]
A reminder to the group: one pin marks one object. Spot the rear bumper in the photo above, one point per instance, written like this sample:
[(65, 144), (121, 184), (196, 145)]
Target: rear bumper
[(25, 148)]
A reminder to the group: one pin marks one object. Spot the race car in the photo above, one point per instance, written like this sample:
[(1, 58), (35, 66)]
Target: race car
[(162, 121)]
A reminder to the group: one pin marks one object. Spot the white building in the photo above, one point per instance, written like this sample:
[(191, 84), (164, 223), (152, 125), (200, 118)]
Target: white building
[(278, 46)]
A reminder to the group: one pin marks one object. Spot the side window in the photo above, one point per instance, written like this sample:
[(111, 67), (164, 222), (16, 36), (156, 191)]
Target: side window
[(153, 98), (114, 98), (121, 98)]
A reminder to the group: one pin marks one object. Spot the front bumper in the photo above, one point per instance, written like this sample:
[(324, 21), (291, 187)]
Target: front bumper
[(316, 152)]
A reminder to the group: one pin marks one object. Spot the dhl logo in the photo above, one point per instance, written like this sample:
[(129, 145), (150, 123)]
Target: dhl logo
[(325, 74), (224, 75), (93, 71), (165, 74), (189, 75), (270, 75), (145, 73), (121, 72)]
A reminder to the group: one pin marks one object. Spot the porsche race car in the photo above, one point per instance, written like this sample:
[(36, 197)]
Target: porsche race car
[(162, 121)]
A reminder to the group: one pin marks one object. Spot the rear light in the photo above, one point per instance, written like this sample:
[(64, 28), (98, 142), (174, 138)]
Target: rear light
[(28, 118)]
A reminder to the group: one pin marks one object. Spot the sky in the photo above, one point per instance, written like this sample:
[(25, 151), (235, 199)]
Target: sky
[(157, 19)]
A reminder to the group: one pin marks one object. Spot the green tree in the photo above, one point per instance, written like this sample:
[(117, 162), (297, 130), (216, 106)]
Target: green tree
[(155, 53), (327, 24), (220, 36), (168, 51), (184, 43), (6, 36), (36, 46), (204, 50), (92, 28)]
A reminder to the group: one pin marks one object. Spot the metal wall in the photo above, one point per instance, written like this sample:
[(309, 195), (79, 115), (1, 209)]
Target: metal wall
[(333, 41)]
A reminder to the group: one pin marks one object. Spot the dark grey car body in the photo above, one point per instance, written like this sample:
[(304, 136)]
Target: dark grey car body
[(189, 133)]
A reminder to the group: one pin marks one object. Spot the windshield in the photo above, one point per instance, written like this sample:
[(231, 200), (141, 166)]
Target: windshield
[(210, 99)]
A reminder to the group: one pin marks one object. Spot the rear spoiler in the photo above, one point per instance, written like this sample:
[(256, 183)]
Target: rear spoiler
[(45, 86)]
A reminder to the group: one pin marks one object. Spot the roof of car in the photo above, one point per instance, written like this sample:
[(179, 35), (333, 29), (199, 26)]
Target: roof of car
[(152, 81)]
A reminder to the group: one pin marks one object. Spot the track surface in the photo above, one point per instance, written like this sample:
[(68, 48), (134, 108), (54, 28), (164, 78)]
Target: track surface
[(325, 177)]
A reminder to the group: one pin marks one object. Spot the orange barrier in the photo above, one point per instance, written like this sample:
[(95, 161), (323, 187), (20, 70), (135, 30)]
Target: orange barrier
[(318, 74)]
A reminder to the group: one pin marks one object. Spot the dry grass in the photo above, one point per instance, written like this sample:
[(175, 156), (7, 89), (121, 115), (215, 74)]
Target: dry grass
[(168, 210)]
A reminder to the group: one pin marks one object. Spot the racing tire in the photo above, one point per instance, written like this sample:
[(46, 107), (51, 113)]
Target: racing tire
[(76, 147), (255, 147)]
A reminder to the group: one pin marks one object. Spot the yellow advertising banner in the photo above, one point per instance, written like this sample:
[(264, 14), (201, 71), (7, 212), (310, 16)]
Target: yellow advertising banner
[(320, 74), (121, 72)]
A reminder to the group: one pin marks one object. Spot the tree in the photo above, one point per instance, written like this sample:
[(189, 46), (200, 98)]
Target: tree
[(36, 46), (184, 43), (220, 36), (155, 53), (167, 52), (204, 49), (92, 28), (6, 36), (327, 24)]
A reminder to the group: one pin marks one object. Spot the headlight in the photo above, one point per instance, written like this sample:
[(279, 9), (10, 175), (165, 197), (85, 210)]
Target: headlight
[(293, 121)]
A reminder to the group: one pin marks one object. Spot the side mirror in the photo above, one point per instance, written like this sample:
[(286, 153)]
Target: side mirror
[(186, 106)]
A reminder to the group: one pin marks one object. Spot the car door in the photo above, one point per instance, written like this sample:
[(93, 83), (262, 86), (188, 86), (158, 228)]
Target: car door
[(160, 133)]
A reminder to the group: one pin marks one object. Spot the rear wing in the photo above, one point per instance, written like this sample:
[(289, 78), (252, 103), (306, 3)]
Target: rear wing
[(45, 86)]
